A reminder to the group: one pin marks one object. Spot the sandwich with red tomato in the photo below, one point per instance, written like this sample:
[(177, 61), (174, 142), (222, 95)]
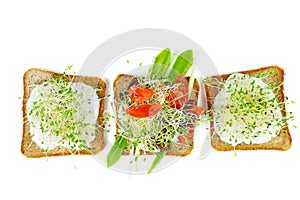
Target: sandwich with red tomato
[(156, 114)]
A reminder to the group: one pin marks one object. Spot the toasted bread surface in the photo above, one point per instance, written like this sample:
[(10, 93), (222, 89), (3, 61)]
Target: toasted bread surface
[(121, 84), (37, 76), (282, 141)]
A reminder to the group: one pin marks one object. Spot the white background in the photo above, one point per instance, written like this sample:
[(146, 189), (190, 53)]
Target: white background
[(236, 35)]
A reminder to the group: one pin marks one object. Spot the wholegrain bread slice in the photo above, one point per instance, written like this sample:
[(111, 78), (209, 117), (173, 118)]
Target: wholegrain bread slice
[(121, 84), (37, 76), (282, 141)]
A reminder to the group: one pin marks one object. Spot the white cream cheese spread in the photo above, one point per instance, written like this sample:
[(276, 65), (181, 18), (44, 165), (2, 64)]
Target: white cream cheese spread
[(63, 114), (246, 111)]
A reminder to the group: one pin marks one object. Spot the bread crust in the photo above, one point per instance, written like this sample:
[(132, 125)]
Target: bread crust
[(282, 141), (178, 150), (28, 147)]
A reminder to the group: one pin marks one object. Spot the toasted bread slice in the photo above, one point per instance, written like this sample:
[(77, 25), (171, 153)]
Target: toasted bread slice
[(37, 76), (282, 141), (121, 83)]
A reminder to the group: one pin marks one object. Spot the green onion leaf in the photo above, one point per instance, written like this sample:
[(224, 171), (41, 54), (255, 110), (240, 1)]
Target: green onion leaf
[(116, 151), (157, 160), (182, 64), (161, 64)]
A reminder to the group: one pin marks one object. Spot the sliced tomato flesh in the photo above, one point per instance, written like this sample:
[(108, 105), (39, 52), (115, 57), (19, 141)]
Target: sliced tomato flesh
[(140, 94), (143, 110)]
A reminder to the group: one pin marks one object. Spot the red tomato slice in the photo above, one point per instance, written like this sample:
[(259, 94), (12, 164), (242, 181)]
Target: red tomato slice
[(140, 94), (144, 110)]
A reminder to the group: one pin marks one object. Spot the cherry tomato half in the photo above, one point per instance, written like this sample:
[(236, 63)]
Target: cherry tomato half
[(144, 110), (140, 94)]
